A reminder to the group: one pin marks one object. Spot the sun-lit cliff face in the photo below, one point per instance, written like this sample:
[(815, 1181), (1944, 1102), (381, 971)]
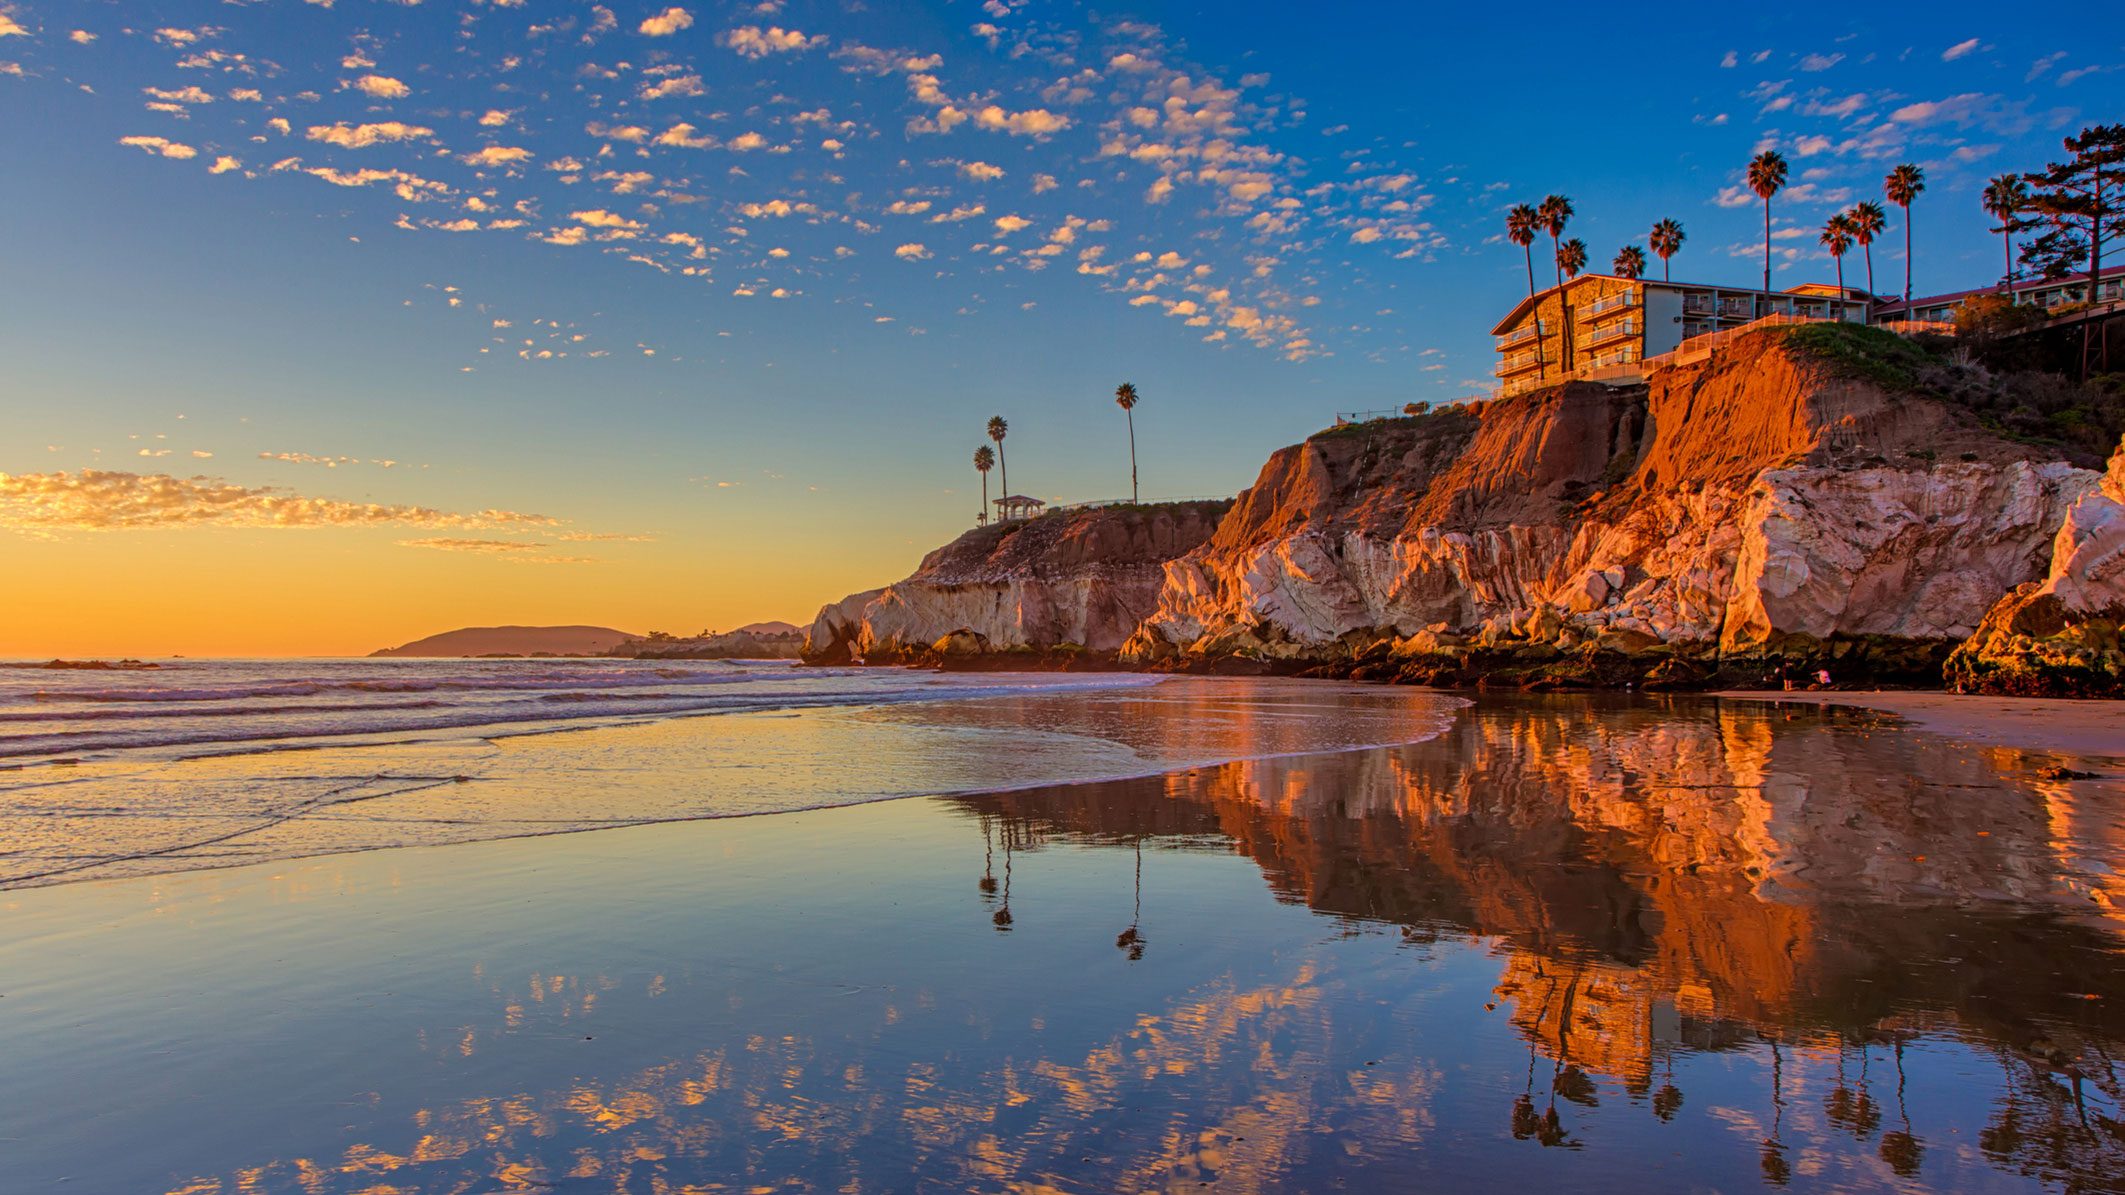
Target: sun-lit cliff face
[(2061, 635), (1754, 509), (1759, 511), (1049, 589)]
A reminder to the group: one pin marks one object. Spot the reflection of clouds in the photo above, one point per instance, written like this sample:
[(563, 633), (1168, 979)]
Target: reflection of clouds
[(1645, 890)]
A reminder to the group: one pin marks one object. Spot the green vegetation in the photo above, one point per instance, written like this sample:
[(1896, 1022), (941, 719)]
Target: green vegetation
[(1857, 351), (1438, 418), (1985, 370)]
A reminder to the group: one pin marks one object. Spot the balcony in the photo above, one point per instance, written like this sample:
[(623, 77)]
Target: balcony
[(1517, 363), (1530, 332), (1615, 302), (1738, 309), (1615, 331), (1699, 305)]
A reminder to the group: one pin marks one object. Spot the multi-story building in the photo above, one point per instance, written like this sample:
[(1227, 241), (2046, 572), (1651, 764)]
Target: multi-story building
[(2036, 292), (1601, 321)]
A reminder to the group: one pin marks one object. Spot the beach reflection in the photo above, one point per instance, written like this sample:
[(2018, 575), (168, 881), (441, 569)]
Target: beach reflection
[(1605, 944)]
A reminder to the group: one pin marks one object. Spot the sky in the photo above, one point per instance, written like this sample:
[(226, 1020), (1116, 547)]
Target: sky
[(328, 325)]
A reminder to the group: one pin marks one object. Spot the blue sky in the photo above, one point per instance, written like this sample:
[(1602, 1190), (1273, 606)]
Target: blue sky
[(722, 294)]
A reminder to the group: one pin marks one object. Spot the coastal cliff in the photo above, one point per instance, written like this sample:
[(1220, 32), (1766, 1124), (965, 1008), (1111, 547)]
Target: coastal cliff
[(2061, 636), (1066, 589), (1795, 501)]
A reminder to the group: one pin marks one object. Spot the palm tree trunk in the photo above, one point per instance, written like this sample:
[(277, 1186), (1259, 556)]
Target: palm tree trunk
[(1840, 259), (1664, 268), (985, 493), (2007, 279), (1554, 248), (1767, 242), (1529, 249), (1869, 249), (1907, 261), (1004, 467), (1132, 455)]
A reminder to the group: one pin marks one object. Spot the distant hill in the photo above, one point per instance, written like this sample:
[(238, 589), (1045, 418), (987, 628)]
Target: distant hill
[(767, 628), (513, 641)]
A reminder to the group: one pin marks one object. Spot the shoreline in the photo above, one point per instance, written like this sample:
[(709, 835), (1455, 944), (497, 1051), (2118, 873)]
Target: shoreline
[(2086, 727)]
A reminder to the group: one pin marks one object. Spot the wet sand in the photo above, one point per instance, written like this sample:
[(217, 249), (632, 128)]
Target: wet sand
[(2093, 730), (1574, 942)]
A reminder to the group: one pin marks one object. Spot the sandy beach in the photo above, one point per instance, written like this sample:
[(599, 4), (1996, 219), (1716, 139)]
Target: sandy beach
[(2092, 730)]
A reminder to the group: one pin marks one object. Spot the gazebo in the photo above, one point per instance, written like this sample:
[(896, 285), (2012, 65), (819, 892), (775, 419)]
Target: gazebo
[(1017, 506)]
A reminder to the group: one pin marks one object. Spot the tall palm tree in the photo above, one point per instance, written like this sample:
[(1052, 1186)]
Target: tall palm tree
[(997, 428), (1552, 216), (1901, 186), (1666, 240), (984, 460), (1837, 238), (1125, 398), (2004, 199), (1868, 220), (1767, 173), (1520, 225), (1630, 262), (1571, 258)]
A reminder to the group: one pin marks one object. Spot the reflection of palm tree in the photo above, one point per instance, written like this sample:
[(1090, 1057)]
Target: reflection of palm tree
[(1668, 1100), (1901, 1148), (1131, 939), (1776, 1170), (1002, 917), (988, 857)]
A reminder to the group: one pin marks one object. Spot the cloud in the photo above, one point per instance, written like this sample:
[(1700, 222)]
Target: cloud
[(751, 41), (1010, 224), (8, 27), (1034, 122), (363, 135), (1820, 62), (517, 550), (666, 23), (224, 164), (600, 218), (108, 500), (494, 118), (912, 251), (1958, 50), (496, 155), (674, 85), (160, 145), (382, 87), (981, 171)]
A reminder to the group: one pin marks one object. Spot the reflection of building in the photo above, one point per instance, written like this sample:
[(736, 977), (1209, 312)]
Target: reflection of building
[(2030, 292), (1599, 322)]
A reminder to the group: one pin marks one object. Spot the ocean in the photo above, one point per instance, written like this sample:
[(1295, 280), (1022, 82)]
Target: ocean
[(213, 763)]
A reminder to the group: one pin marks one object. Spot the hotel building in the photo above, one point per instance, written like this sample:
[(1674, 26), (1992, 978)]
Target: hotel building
[(2033, 292), (1616, 323)]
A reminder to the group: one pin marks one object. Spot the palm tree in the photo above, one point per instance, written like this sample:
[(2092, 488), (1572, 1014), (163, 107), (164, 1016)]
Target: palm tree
[(984, 460), (1520, 225), (1125, 398), (997, 428), (1666, 240), (1767, 173), (1901, 186), (1554, 212), (1571, 258), (1837, 237), (1552, 216), (1630, 262), (1868, 220), (2004, 198)]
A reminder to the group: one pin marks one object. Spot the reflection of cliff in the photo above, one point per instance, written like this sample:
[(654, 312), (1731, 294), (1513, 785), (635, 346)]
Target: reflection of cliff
[(1683, 871)]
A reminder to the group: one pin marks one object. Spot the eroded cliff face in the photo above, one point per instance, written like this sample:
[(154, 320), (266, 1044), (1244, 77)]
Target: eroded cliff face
[(2060, 636), (1751, 512), (1067, 588)]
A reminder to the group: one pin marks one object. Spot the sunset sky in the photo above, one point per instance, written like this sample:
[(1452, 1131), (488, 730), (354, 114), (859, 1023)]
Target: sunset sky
[(330, 325)]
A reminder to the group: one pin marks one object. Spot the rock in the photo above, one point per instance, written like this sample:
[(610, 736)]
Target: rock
[(2060, 636), (1744, 516), (1065, 589)]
